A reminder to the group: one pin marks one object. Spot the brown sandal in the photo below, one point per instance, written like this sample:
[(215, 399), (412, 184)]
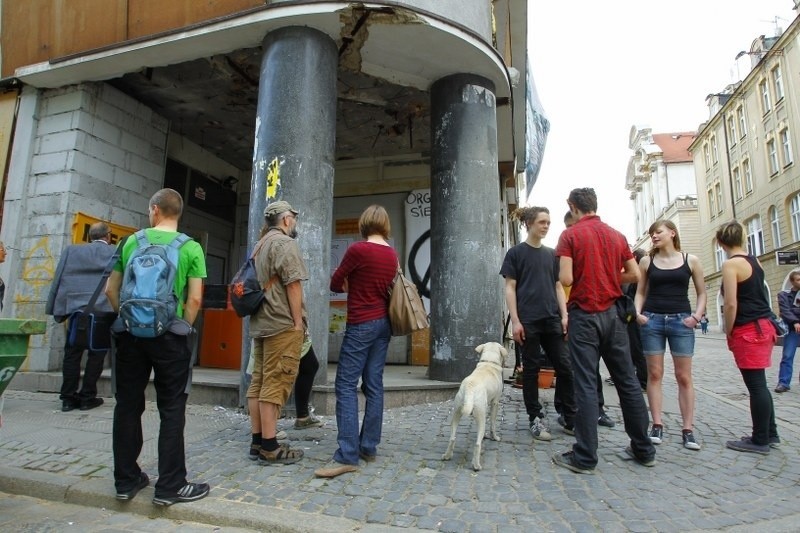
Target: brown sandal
[(283, 455)]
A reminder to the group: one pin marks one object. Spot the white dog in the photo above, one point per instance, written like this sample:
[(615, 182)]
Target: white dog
[(480, 391)]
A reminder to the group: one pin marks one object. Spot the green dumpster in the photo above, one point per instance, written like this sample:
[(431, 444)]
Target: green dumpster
[(14, 335)]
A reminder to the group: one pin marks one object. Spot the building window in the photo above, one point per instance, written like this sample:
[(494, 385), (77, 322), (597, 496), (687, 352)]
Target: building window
[(763, 88), (719, 255), (718, 191), (776, 226), (794, 214), (732, 130), (772, 155), (714, 151), (711, 204), (777, 83), (742, 122), (707, 156), (748, 176), (755, 236), (786, 147), (737, 184)]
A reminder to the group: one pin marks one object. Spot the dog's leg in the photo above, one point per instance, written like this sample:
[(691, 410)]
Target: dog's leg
[(453, 427), (493, 421), (479, 413)]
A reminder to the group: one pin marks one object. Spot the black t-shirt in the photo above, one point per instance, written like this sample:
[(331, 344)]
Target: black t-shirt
[(536, 272)]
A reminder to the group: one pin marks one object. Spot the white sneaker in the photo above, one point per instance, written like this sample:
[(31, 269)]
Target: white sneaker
[(539, 430)]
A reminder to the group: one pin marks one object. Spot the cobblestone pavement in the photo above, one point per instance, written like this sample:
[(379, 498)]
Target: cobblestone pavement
[(66, 457), (23, 514)]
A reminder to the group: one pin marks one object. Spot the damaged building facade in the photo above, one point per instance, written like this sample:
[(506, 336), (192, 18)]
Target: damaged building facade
[(427, 108)]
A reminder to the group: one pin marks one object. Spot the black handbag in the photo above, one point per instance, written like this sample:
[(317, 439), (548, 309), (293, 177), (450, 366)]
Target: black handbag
[(89, 329)]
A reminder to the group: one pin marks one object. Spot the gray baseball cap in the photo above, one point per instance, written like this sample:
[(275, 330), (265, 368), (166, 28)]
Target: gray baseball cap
[(276, 208)]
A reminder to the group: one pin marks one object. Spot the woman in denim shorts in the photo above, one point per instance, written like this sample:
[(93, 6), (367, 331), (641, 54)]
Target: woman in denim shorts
[(664, 315)]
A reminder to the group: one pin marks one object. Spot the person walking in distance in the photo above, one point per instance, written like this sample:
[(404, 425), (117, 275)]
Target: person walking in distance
[(665, 316), (789, 306), (278, 329), (704, 324), (168, 356), (595, 260), (79, 271), (537, 305), (365, 274), (750, 335)]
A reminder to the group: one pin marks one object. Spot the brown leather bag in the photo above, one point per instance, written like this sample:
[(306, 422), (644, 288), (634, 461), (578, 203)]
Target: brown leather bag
[(406, 312)]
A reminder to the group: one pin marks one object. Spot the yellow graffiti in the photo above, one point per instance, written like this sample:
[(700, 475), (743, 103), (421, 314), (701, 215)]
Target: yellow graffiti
[(273, 179), (38, 269)]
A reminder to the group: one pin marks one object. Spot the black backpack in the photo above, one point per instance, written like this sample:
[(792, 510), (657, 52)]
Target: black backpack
[(246, 292)]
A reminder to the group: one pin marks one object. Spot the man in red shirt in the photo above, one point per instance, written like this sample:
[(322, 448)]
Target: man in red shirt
[(591, 256)]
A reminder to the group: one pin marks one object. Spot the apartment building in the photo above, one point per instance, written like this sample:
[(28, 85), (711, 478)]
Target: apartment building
[(745, 159), (427, 108)]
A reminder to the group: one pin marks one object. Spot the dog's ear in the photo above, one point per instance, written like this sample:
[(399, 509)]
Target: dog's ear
[(503, 351), (480, 348)]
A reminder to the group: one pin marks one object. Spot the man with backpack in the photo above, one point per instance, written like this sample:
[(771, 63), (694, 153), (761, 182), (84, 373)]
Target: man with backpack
[(157, 289)]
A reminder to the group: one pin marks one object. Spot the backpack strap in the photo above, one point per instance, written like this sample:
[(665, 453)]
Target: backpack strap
[(141, 239), (180, 240)]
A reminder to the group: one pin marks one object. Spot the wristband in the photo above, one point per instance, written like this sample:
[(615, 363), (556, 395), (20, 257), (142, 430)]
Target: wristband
[(695, 318)]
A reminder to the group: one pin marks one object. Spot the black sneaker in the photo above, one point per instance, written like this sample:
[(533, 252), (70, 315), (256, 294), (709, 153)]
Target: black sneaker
[(689, 442), (641, 460), (91, 403), (69, 405), (127, 495), (567, 460), (191, 492), (746, 444), (605, 421), (569, 429), (657, 434), (775, 442)]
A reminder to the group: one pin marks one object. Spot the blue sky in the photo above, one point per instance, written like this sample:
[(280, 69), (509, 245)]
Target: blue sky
[(602, 67)]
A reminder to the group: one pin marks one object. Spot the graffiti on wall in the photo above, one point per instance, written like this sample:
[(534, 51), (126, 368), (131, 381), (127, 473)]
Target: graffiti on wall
[(273, 179), (38, 269)]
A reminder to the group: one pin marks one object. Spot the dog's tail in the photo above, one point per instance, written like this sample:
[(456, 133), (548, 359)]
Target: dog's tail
[(469, 398)]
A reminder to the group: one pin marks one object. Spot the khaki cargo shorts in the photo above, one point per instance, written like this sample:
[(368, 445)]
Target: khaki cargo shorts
[(276, 361)]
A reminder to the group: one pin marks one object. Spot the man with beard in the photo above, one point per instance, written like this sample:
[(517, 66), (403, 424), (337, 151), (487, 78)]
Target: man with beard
[(277, 330)]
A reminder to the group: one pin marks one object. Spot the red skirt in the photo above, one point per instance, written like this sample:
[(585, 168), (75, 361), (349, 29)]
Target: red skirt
[(752, 344)]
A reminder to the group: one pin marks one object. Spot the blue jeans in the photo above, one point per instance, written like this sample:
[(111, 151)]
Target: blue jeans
[(661, 328), (363, 355), (790, 343), (591, 334)]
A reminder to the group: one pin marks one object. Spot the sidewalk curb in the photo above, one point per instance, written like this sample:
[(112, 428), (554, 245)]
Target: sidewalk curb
[(97, 493)]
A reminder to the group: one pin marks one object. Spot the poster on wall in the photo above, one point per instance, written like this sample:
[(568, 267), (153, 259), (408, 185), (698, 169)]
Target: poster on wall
[(417, 263), (338, 248), (82, 223)]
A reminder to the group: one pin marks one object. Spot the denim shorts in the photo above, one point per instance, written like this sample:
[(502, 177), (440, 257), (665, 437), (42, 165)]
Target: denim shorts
[(661, 328)]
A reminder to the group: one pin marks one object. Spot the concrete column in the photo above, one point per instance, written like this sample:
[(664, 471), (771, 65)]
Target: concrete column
[(466, 249), (293, 156)]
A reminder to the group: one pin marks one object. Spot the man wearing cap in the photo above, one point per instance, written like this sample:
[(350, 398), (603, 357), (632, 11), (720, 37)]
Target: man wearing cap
[(277, 330)]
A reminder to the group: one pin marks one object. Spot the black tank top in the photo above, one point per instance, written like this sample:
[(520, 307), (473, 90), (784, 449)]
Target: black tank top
[(668, 290), (751, 298)]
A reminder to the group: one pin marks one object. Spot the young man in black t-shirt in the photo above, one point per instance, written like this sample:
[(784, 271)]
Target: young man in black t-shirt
[(537, 305)]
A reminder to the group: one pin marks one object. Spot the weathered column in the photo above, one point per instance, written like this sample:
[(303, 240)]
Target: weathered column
[(293, 156), (466, 251)]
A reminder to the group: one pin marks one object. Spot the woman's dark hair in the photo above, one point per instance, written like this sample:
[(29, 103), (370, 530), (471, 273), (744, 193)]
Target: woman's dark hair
[(730, 234)]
